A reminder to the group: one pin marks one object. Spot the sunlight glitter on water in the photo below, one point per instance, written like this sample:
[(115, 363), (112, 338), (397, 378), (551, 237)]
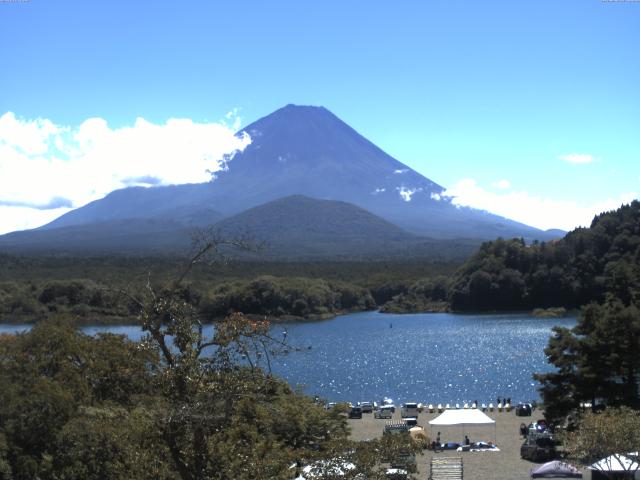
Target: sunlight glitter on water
[(431, 358)]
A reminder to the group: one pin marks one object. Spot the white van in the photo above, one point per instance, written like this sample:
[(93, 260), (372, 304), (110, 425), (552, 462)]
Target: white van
[(409, 410)]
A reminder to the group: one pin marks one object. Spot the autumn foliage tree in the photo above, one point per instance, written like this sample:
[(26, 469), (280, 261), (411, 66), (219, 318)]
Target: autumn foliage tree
[(612, 436)]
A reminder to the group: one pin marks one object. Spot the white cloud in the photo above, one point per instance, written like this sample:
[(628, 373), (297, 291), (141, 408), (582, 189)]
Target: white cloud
[(44, 165), (532, 210), (577, 158), (23, 218), (30, 137), (401, 170), (502, 184)]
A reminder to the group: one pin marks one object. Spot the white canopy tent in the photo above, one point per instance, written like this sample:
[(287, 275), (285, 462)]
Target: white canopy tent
[(469, 417), (463, 418)]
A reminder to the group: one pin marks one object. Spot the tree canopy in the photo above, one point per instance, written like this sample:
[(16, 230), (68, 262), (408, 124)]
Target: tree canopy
[(607, 439), (583, 267), (596, 362), (180, 404)]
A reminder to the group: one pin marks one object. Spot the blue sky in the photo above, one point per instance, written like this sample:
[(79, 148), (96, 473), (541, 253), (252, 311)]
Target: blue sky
[(528, 109)]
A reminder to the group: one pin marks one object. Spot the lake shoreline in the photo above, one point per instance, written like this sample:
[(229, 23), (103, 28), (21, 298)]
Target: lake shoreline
[(369, 354), (549, 313)]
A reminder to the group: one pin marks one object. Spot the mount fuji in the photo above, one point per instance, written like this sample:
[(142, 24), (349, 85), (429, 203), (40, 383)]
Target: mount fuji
[(297, 152)]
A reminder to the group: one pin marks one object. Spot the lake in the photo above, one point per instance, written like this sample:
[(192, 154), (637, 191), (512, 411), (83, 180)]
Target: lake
[(432, 358)]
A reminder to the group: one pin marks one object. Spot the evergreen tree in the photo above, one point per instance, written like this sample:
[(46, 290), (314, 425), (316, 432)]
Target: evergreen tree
[(596, 361)]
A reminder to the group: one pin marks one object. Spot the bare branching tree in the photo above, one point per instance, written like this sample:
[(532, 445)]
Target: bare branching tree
[(224, 414), (204, 371)]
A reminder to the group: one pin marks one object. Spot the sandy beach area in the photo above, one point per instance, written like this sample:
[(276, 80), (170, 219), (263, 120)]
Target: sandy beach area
[(503, 465)]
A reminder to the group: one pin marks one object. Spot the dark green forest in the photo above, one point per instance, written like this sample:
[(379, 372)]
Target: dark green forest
[(88, 289), (595, 362), (585, 266)]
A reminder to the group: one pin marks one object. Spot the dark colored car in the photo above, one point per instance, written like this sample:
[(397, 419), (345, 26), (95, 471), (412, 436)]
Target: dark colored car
[(539, 448), (355, 412), (367, 407), (523, 410)]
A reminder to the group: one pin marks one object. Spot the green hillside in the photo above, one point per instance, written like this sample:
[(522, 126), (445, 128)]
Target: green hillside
[(299, 227), (585, 266)]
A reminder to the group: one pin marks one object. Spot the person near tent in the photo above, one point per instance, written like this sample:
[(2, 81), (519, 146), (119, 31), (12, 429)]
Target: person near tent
[(463, 418), (436, 446), (523, 430), (466, 440)]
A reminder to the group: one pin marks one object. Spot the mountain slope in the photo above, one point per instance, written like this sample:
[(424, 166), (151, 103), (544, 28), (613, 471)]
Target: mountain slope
[(130, 236), (292, 228), (297, 150), (310, 151), (304, 227)]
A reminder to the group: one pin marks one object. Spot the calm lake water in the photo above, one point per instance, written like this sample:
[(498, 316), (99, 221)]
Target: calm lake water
[(432, 358)]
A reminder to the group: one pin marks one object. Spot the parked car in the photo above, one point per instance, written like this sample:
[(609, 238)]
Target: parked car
[(388, 402), (539, 448), (367, 407), (355, 412), (409, 410), (523, 410), (411, 421), (385, 411)]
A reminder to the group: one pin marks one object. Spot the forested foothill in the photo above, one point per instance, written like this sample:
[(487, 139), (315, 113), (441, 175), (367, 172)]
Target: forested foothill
[(509, 275), (585, 266), (88, 289)]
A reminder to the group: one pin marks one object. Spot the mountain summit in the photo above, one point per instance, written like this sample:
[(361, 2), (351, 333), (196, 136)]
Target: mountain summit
[(308, 151)]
